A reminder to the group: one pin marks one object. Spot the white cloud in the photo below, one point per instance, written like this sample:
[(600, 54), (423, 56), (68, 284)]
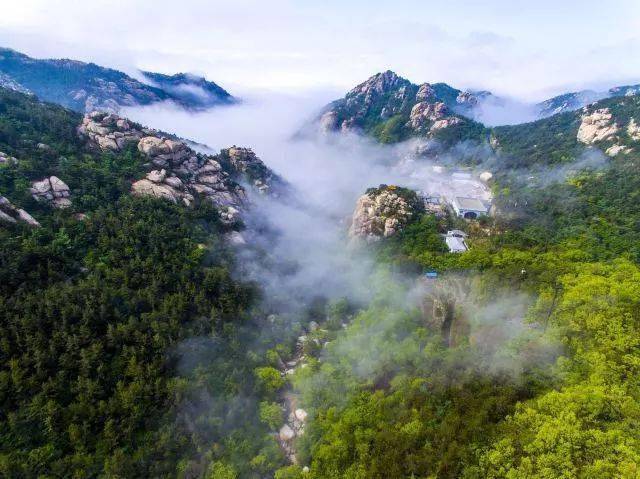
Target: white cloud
[(527, 50)]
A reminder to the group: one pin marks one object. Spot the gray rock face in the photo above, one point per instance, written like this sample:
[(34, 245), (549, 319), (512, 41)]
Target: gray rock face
[(53, 191), (108, 131), (11, 214), (424, 113), (7, 82), (179, 173), (380, 214), (596, 126), (328, 122), (425, 93), (633, 130), (386, 95), (246, 165), (6, 159)]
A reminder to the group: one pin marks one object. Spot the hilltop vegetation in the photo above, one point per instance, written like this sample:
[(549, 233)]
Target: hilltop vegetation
[(392, 109), (97, 315), (130, 345), (552, 397)]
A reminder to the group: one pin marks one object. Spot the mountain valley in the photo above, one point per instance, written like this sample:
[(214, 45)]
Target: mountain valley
[(391, 290)]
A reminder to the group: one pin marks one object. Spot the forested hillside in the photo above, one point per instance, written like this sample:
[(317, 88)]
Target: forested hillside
[(478, 392), (97, 310), (132, 343), (86, 87)]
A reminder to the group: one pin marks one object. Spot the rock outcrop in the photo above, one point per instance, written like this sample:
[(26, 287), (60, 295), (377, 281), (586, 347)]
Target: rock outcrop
[(466, 99), (633, 130), (445, 123), (11, 214), (387, 96), (108, 131), (596, 126), (425, 93), (53, 191), (246, 166), (615, 150), (6, 159), (382, 212), (424, 113), (177, 172), (9, 83)]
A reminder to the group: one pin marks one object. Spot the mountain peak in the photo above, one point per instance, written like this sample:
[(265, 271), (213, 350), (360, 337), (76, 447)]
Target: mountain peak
[(189, 88), (87, 86), (380, 83)]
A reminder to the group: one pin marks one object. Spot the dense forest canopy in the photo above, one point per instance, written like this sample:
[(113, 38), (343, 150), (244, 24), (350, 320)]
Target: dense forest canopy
[(131, 347)]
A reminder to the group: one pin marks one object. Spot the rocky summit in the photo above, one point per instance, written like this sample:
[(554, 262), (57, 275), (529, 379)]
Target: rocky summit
[(191, 91), (382, 212), (177, 172), (392, 108)]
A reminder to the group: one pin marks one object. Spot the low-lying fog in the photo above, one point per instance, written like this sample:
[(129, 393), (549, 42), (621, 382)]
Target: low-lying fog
[(327, 175)]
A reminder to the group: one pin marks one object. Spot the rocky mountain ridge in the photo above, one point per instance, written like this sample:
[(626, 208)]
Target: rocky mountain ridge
[(392, 108), (86, 87), (387, 98), (177, 172), (576, 100), (190, 89)]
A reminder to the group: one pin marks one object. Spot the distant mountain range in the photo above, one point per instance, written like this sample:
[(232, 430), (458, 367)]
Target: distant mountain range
[(386, 105), (86, 87), (392, 108), (575, 100)]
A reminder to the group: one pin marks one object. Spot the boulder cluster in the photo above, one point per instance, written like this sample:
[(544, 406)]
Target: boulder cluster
[(51, 190), (385, 95), (293, 428), (108, 131), (436, 116), (6, 159), (596, 126), (178, 173), (11, 214), (633, 130), (381, 213), (600, 125), (295, 416), (424, 112), (244, 163)]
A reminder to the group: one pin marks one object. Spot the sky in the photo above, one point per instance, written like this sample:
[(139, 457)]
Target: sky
[(525, 50)]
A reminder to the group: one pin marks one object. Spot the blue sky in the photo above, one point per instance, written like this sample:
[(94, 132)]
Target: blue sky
[(524, 49)]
